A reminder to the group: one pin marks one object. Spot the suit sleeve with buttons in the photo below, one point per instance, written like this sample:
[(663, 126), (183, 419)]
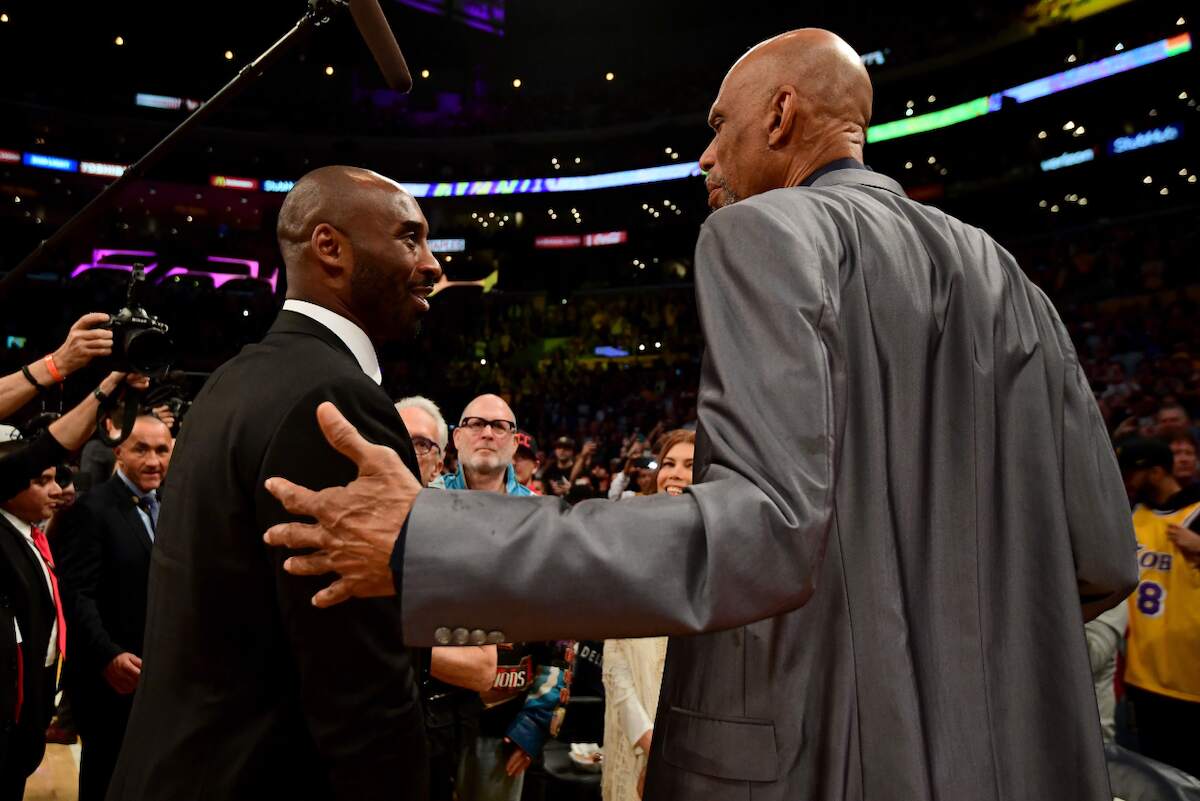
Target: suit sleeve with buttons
[(743, 544)]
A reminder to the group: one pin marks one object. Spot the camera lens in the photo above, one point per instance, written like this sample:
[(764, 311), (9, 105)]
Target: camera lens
[(147, 350)]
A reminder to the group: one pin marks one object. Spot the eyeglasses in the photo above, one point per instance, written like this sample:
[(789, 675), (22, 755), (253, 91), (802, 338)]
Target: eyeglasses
[(501, 428), (423, 446)]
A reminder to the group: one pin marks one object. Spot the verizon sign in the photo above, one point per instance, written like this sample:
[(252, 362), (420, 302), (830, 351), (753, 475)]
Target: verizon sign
[(584, 241)]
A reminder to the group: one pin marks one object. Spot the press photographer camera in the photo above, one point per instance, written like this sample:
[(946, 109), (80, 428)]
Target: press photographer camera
[(140, 341)]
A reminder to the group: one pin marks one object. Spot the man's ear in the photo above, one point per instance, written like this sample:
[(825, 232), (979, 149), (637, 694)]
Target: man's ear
[(333, 251), (782, 116)]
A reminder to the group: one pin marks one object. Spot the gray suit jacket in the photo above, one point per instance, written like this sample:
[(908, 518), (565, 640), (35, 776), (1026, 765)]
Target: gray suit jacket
[(906, 504)]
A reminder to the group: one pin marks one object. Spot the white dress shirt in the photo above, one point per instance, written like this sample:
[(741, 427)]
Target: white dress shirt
[(27, 532), (354, 337)]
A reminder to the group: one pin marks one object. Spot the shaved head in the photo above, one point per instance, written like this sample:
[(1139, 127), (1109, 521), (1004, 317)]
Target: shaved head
[(485, 455), (355, 242), (790, 105)]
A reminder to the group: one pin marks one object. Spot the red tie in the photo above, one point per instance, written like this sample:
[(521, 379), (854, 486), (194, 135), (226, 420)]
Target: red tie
[(39, 541)]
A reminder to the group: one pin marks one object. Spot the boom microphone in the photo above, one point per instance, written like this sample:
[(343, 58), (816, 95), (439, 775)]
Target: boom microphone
[(376, 32)]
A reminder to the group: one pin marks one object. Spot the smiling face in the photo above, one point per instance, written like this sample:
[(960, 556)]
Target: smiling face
[(675, 473), (393, 271)]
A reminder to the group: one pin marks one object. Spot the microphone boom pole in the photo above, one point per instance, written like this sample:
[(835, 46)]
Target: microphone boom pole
[(319, 12)]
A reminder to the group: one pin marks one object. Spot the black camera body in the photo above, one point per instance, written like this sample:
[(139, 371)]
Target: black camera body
[(140, 341)]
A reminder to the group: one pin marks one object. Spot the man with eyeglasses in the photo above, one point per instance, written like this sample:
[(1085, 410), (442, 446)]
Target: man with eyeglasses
[(428, 431), (511, 731)]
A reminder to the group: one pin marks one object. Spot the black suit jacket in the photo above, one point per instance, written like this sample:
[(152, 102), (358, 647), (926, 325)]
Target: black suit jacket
[(102, 551), (247, 690), (23, 585)]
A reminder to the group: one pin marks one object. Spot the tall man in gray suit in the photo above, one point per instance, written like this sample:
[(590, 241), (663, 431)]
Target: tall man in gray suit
[(906, 504)]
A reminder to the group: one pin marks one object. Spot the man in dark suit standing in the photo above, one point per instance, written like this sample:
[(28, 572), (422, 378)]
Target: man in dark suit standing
[(102, 547), (29, 590), (247, 690)]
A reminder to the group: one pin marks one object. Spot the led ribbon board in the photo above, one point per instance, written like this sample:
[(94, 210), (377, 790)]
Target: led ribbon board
[(1069, 159), (1060, 81)]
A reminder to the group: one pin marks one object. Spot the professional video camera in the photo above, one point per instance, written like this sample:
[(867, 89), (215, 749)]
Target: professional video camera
[(140, 341)]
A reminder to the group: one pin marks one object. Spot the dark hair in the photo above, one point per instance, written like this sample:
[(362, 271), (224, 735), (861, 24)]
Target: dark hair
[(1183, 436)]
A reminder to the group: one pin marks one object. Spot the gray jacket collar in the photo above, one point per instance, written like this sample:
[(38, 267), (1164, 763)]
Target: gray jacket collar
[(862, 177)]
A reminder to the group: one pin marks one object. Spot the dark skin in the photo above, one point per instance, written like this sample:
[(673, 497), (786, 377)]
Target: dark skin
[(790, 106), (356, 243)]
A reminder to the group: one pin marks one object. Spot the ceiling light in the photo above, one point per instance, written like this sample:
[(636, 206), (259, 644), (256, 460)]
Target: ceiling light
[(1183, 95), (516, 83), (911, 103), (3, 18), (908, 165), (931, 99), (1183, 172), (674, 155), (120, 40), (329, 70), (908, 112), (1119, 47), (1054, 208), (1071, 59), (1164, 191), (1181, 21), (1042, 204), (1041, 134), (424, 73), (1083, 201), (554, 160), (491, 215), (1068, 125), (932, 160), (577, 159), (1147, 180), (1191, 179), (229, 55), (608, 76), (667, 151)]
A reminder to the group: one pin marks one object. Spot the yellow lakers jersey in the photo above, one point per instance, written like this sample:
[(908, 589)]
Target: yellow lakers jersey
[(1163, 654)]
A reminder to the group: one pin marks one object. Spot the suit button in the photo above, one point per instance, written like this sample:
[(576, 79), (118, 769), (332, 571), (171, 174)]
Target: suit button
[(461, 636), (478, 637), (442, 636), (495, 637)]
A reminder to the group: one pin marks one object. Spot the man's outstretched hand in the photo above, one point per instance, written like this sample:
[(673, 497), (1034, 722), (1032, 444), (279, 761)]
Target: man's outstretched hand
[(357, 525)]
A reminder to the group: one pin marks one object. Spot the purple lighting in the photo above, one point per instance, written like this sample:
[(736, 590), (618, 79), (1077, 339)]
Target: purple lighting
[(219, 277)]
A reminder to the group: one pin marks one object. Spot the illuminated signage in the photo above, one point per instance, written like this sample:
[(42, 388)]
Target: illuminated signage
[(10, 156), (220, 269), (102, 168), (1155, 136), (165, 102), (50, 162), (158, 101), (1069, 79), (277, 186), (610, 352), (577, 241), (1068, 159), (875, 58), (230, 182), (447, 245), (573, 183)]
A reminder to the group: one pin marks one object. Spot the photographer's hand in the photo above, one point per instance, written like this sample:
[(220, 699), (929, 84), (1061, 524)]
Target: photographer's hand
[(84, 342), (74, 428)]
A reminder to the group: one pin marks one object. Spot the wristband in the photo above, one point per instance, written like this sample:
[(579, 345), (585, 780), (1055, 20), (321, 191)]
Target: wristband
[(58, 377), (100, 395), (29, 377)]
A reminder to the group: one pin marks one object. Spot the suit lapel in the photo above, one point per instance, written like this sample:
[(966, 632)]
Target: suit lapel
[(123, 500), (24, 559)]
